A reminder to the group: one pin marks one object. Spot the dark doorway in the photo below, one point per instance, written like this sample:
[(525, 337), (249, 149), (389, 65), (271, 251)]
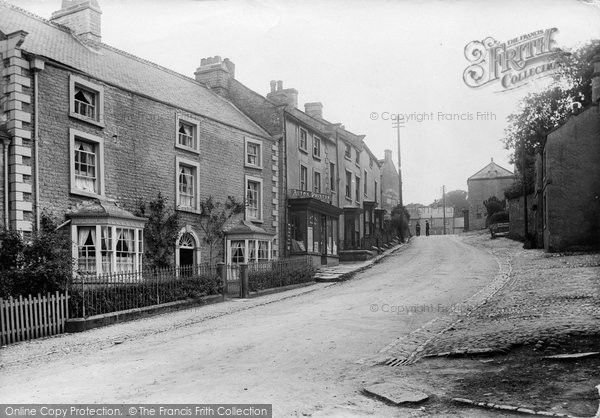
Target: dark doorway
[(186, 257)]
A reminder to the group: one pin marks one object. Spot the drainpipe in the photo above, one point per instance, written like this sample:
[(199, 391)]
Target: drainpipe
[(5, 144), (36, 132)]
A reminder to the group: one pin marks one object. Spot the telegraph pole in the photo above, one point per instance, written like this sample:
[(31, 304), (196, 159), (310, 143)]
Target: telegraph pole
[(398, 123), (525, 226)]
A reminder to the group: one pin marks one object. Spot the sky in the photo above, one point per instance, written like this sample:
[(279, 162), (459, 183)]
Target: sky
[(364, 60)]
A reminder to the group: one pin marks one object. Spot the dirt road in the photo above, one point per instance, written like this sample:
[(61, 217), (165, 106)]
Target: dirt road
[(302, 354)]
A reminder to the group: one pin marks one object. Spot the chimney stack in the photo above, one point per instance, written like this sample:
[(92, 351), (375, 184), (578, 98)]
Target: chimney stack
[(596, 80), (314, 109), (388, 154), (281, 96), (216, 74), (82, 17)]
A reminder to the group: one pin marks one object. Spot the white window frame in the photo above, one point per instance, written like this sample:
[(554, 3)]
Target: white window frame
[(306, 188), (194, 165), (348, 190), (98, 143), (305, 148), (138, 249), (315, 173), (365, 183), (196, 127), (258, 143), (317, 147), (94, 88), (357, 157), (260, 198), (348, 151), (357, 187)]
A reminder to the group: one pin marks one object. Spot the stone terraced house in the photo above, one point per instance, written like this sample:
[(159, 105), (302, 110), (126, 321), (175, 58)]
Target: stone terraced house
[(329, 180), (89, 131)]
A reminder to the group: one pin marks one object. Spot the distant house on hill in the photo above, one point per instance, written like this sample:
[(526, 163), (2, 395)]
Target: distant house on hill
[(490, 181)]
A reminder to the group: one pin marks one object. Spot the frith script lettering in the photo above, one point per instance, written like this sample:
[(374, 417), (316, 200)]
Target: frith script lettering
[(513, 63)]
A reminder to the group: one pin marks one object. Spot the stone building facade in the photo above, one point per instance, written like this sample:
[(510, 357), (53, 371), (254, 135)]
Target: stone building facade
[(92, 131), (571, 182), (389, 183), (330, 182), (490, 181)]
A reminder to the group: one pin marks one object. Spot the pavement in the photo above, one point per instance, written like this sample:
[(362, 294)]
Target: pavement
[(346, 269)]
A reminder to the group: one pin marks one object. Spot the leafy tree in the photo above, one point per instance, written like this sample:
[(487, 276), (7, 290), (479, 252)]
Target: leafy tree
[(493, 205), (214, 216), (540, 112), (161, 232), (456, 199), (399, 221)]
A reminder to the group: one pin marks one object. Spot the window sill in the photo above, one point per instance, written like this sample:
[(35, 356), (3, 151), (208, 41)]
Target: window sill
[(188, 149), (255, 167), (347, 158), (257, 221), (86, 194), (303, 150), (317, 157), (94, 122), (189, 210), (348, 198)]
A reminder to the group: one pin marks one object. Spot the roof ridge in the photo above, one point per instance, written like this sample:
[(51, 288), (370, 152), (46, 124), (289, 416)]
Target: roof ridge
[(153, 64), (117, 50), (33, 15)]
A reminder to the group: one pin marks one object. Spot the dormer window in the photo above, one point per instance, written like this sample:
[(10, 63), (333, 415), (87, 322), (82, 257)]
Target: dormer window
[(86, 101)]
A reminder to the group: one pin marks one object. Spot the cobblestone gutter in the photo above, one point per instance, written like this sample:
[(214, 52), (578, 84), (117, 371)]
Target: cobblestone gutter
[(409, 349)]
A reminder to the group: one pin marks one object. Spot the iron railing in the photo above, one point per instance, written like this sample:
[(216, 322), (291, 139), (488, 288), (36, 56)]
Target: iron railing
[(278, 273), (105, 293)]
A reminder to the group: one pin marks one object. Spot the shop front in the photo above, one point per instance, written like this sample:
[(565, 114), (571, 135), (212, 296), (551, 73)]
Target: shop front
[(312, 229)]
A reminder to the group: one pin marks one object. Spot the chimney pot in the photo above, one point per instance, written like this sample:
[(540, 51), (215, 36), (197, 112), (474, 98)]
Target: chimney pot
[(279, 85), (388, 154), (216, 74), (83, 17), (314, 109), (273, 84)]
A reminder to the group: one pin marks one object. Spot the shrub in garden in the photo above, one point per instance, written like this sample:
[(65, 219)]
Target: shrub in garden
[(279, 273), (40, 263)]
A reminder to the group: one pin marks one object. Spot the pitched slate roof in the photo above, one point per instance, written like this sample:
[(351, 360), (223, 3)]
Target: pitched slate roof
[(110, 65), (491, 171)]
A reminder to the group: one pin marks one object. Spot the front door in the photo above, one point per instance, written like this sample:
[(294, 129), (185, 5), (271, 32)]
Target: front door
[(186, 257)]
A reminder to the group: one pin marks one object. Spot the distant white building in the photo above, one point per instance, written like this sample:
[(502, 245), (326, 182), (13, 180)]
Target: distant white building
[(435, 217)]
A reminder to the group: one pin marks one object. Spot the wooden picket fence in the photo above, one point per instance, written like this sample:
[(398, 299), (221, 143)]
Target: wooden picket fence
[(33, 317)]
